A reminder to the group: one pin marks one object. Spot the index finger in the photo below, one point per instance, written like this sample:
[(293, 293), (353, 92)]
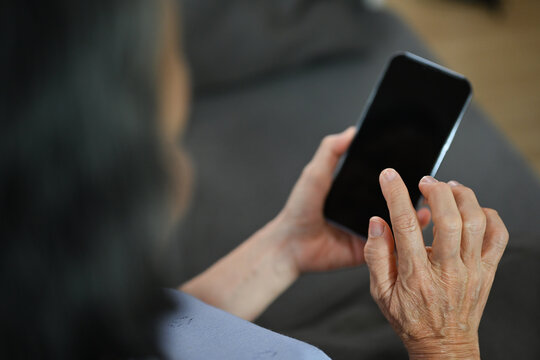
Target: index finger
[(407, 232)]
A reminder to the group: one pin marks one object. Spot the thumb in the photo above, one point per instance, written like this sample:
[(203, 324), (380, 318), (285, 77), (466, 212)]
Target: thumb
[(380, 258), (321, 167), (316, 179)]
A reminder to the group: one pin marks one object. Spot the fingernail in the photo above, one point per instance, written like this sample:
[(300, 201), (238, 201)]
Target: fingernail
[(428, 180), (389, 174), (453, 183), (376, 229)]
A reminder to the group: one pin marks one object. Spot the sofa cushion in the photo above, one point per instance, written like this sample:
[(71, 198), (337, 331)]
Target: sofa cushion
[(235, 40)]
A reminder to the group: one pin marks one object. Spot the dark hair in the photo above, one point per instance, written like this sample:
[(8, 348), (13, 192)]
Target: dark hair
[(83, 179)]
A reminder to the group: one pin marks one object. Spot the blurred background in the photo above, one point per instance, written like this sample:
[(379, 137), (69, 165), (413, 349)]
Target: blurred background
[(497, 45)]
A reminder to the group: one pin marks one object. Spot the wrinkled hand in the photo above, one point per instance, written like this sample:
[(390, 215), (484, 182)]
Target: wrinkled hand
[(314, 244), (434, 296)]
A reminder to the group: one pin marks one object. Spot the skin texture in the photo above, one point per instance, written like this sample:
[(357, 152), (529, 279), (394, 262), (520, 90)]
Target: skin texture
[(315, 244), (434, 297), (298, 240)]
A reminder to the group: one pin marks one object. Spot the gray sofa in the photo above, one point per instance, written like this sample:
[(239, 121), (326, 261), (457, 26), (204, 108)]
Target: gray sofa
[(251, 132)]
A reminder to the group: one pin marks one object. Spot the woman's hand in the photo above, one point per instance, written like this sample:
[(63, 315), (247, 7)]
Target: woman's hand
[(314, 244), (434, 296), (247, 280)]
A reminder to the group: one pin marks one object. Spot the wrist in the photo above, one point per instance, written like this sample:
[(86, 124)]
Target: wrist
[(279, 242), (443, 348), (250, 277)]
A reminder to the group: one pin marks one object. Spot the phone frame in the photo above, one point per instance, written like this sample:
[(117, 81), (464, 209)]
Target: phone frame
[(367, 106)]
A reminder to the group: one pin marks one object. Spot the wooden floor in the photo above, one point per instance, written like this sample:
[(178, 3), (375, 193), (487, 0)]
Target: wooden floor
[(498, 51)]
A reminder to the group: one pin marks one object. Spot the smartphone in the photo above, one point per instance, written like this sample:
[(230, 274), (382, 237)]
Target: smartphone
[(408, 124)]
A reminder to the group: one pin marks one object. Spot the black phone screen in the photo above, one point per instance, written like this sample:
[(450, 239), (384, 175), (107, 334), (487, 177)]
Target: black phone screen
[(415, 109)]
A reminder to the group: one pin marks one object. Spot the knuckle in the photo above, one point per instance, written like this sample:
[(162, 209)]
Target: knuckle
[(370, 253), (491, 212), (501, 234), (465, 191), (476, 224), (462, 193), (501, 238), (450, 224), (490, 266), (405, 223), (441, 187)]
